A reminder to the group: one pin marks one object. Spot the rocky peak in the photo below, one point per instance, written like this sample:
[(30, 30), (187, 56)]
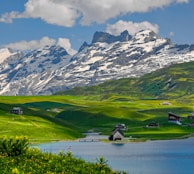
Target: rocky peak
[(144, 36), (55, 50), (108, 38), (84, 45), (103, 37), (124, 36), (49, 51)]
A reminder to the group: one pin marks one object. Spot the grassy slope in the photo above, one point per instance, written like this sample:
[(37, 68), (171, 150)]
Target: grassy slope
[(38, 123), (79, 114), (172, 82)]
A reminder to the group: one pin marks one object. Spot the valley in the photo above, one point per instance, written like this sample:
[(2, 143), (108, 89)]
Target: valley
[(56, 118)]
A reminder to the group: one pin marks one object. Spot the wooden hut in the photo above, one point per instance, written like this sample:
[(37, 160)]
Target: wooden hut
[(117, 134), (191, 116), (152, 125), (173, 118), (17, 110)]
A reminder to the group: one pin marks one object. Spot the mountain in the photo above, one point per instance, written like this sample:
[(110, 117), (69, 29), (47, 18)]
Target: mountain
[(170, 82), (8, 54), (50, 69), (34, 73)]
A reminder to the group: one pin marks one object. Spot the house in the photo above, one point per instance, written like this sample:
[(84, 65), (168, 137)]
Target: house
[(117, 134), (166, 103), (173, 118), (191, 124), (191, 116), (152, 125), (17, 110)]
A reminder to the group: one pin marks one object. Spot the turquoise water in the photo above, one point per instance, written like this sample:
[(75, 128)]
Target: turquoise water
[(152, 157)]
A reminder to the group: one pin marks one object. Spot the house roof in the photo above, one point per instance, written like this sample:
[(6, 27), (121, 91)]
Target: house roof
[(16, 108), (153, 124), (117, 130), (191, 114), (172, 114)]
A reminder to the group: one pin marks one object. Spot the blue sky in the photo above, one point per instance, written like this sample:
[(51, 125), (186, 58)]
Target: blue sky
[(30, 24)]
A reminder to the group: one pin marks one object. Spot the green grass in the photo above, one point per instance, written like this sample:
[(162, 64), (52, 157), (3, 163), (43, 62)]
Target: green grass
[(48, 118), (172, 82), (37, 122)]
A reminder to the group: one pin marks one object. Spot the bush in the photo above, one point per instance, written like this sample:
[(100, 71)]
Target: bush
[(14, 146), (17, 158)]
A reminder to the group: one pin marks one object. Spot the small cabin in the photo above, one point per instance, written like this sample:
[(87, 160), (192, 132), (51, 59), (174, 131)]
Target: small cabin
[(173, 118), (152, 125), (191, 124), (117, 134), (17, 110), (191, 116), (165, 103)]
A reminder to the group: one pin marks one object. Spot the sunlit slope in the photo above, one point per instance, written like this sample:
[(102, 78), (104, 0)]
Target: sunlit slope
[(38, 121), (136, 114), (172, 82), (48, 118)]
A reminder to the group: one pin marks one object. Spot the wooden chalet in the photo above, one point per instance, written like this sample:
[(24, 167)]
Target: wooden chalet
[(173, 118), (191, 116), (191, 124), (117, 134), (152, 125), (17, 110)]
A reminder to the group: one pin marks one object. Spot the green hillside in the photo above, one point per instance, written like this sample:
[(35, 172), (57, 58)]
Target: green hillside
[(172, 82), (175, 81), (38, 121), (52, 118)]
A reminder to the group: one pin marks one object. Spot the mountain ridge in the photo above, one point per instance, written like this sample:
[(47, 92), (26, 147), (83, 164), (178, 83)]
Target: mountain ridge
[(51, 69)]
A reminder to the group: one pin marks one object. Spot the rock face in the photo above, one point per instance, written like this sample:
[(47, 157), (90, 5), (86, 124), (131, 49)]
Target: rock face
[(108, 38), (51, 69)]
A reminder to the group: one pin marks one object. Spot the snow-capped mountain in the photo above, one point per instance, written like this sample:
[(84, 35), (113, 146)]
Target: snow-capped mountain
[(51, 69), (32, 73), (7, 54)]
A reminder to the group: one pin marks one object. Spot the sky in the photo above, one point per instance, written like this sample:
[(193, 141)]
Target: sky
[(26, 25)]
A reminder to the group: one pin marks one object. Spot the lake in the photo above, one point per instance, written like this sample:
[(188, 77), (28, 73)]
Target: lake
[(151, 157)]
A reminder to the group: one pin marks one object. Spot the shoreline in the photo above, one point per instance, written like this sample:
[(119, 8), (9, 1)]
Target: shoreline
[(126, 140)]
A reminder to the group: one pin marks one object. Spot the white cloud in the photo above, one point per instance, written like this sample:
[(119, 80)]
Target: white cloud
[(182, 1), (36, 44), (7, 17), (131, 27), (65, 43), (30, 45), (51, 12), (68, 12)]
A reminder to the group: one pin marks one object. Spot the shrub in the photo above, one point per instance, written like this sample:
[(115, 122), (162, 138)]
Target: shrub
[(17, 158), (14, 146)]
